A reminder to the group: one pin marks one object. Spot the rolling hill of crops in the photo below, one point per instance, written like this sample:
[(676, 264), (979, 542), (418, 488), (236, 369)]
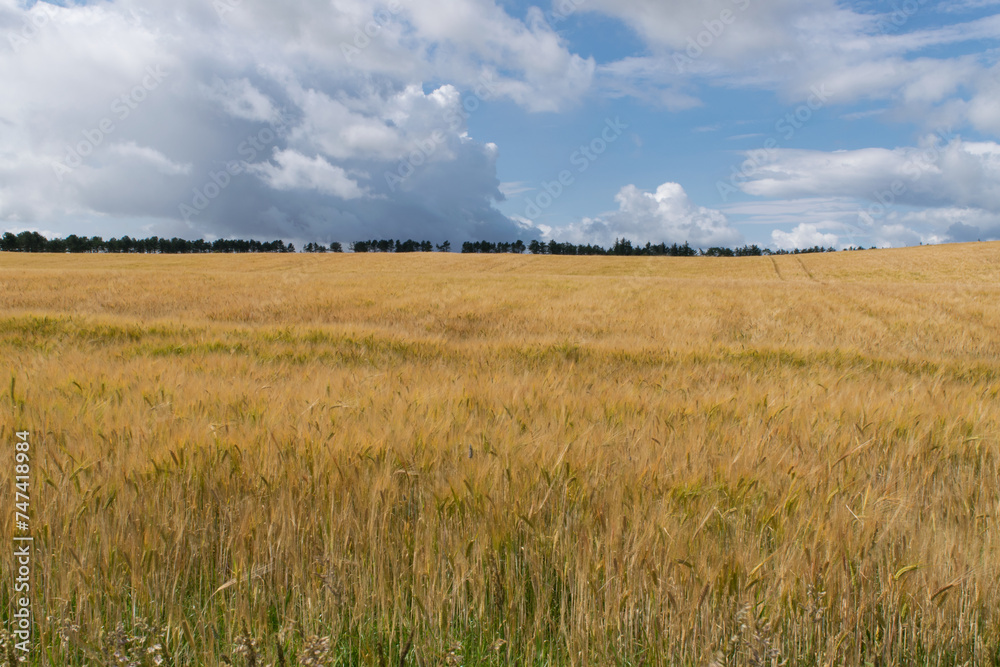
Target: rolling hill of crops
[(445, 459)]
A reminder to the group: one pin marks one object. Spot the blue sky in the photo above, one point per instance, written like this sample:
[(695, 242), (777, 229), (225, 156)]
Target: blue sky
[(785, 123)]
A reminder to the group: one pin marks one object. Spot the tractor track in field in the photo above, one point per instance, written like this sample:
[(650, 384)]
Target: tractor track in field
[(776, 269), (808, 272)]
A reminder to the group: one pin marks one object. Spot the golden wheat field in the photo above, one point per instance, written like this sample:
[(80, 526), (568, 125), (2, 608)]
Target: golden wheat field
[(443, 459)]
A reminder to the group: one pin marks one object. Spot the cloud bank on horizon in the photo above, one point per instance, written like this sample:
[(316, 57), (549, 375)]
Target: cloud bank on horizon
[(787, 123)]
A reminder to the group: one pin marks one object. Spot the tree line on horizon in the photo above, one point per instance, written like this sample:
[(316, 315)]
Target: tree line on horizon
[(390, 245), (35, 242), (621, 247)]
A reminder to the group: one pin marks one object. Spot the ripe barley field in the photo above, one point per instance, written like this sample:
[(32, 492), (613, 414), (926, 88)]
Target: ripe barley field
[(507, 460)]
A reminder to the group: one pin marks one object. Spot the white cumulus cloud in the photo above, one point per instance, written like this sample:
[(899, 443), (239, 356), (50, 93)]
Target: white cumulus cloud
[(666, 215), (295, 171), (805, 235), (251, 118), (944, 189)]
